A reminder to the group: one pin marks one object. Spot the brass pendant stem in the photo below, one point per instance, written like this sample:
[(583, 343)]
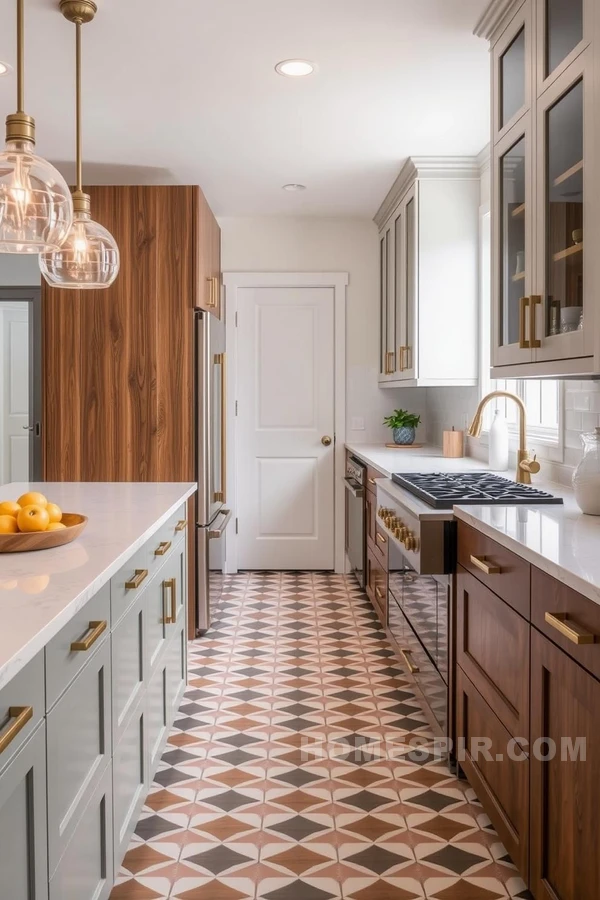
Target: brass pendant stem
[(78, 105), (20, 57)]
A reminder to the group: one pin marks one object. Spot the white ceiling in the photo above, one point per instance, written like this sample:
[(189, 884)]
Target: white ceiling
[(185, 91)]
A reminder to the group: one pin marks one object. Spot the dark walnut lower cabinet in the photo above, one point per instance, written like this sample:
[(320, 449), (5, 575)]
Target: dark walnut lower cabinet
[(528, 714)]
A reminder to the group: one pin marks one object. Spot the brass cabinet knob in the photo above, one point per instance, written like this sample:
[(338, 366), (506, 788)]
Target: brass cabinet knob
[(326, 440)]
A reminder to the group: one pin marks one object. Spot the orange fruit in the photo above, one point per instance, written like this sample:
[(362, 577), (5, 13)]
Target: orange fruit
[(55, 526), (32, 498), (8, 525), (55, 513), (33, 518), (9, 508)]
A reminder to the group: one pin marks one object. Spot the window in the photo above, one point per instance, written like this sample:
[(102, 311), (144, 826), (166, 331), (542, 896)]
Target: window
[(542, 397)]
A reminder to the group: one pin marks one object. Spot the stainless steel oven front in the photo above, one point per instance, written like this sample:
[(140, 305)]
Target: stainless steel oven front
[(356, 537)]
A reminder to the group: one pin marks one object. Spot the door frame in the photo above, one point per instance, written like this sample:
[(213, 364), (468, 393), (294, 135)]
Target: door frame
[(31, 296), (338, 281)]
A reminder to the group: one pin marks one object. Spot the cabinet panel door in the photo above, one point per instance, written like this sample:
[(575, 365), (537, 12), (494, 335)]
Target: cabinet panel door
[(23, 833), (157, 715), (407, 288), (376, 584), (497, 769), (387, 312), (176, 673), (79, 748), (157, 615), (128, 665), (512, 245), (563, 30), (86, 870), (565, 172), (130, 780), (208, 258), (565, 864), (492, 647)]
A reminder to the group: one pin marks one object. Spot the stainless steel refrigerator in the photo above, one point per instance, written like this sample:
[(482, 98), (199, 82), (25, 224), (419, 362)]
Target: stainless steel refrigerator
[(211, 454)]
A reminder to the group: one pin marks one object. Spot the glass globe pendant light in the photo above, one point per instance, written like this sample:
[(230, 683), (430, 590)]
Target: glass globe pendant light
[(36, 210), (88, 258)]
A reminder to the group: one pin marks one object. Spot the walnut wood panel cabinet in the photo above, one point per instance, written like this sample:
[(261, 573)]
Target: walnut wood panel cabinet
[(528, 684)]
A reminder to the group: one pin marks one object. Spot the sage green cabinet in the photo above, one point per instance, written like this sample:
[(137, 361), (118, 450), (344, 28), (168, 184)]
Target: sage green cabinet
[(23, 835), (130, 777)]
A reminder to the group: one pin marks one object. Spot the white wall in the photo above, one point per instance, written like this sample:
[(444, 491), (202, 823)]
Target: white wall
[(19, 270), (280, 244)]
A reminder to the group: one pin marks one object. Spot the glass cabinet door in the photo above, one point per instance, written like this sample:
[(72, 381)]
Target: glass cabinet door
[(399, 297), (410, 288), (383, 302), (513, 264), (562, 30), (562, 198), (512, 76)]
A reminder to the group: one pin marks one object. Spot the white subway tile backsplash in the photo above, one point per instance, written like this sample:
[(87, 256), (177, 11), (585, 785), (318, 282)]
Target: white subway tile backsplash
[(573, 420), (582, 400), (589, 421)]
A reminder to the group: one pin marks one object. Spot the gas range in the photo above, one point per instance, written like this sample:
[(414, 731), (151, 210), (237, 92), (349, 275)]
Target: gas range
[(444, 490)]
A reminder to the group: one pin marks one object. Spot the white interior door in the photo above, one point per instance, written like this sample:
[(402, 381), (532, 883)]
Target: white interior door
[(14, 392), (284, 463)]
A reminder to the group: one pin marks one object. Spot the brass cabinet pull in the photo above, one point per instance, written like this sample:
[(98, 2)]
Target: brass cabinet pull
[(404, 363), (20, 716), (134, 583), (381, 538), (162, 548), (181, 525), (481, 563), (379, 593), (411, 666), (534, 302), (212, 292), (170, 584), (401, 358), (524, 343), (372, 481), (221, 360), (389, 366), (96, 629), (569, 628)]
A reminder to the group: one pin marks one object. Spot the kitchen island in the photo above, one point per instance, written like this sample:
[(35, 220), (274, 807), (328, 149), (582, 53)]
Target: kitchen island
[(92, 670)]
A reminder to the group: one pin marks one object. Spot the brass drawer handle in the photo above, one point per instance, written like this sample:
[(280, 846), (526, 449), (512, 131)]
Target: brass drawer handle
[(372, 481), (96, 629), (181, 525), (411, 666), (212, 301), (379, 593), (381, 538), (162, 548), (170, 584), (21, 716), (534, 342), (134, 583), (389, 362), (524, 343), (480, 563), (569, 628)]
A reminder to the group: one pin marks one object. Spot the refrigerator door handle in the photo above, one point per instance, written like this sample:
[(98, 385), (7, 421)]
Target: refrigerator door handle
[(219, 532), (220, 359)]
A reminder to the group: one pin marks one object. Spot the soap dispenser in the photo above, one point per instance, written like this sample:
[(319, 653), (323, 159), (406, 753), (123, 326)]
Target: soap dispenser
[(498, 443), (586, 477)]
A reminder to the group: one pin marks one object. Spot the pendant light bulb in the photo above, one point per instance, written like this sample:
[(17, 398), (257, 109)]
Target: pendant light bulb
[(36, 209), (88, 258)]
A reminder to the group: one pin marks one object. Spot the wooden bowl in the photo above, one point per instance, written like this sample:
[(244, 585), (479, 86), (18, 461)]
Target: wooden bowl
[(44, 540)]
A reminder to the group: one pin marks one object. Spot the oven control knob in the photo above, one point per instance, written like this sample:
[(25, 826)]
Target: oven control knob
[(409, 540)]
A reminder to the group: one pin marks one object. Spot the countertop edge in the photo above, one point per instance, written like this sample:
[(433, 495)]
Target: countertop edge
[(13, 666), (586, 588)]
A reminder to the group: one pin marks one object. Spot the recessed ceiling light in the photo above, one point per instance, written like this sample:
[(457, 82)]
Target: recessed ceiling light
[(4, 68), (294, 187), (295, 68)]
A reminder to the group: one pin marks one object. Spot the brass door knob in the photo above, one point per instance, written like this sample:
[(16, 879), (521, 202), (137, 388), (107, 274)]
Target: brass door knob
[(326, 440)]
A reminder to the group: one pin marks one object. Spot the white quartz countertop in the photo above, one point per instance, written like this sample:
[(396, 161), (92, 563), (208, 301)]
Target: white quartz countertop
[(421, 459), (40, 592)]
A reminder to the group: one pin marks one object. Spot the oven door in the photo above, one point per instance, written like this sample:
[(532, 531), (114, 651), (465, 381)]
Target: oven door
[(356, 544)]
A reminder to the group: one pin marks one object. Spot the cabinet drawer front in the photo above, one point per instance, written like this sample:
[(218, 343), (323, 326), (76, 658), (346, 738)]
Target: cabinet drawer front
[(177, 671), (372, 476), (381, 545), (86, 871), (62, 662), (22, 707), (376, 583), (128, 664), (23, 838), (492, 647), (130, 780), (564, 786), (157, 715), (79, 748), (501, 783), (370, 515), (136, 574), (567, 609), (164, 542), (510, 576)]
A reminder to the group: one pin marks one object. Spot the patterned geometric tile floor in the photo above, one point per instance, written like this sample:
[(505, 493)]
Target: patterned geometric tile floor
[(289, 774)]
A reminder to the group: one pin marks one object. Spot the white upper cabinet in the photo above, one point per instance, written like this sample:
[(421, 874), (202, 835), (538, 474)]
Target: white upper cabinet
[(545, 198), (429, 275)]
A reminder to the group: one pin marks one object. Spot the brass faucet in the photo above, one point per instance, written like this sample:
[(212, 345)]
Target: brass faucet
[(526, 467)]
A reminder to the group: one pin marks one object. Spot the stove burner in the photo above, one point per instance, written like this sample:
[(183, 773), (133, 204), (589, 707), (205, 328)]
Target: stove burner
[(443, 491)]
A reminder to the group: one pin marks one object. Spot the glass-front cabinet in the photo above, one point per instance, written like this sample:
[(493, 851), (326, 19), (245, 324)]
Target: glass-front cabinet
[(543, 165)]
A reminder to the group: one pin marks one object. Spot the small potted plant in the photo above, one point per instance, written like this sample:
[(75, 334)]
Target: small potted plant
[(403, 425)]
